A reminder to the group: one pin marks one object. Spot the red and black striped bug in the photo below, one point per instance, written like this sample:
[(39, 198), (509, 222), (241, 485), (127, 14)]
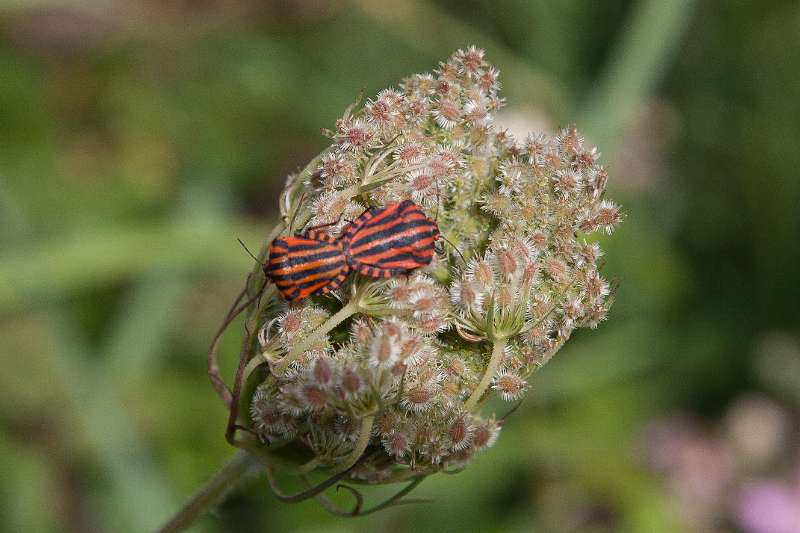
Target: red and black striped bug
[(306, 264), (382, 242), (390, 240)]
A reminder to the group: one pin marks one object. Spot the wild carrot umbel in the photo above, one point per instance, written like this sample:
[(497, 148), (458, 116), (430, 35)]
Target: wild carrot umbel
[(383, 380)]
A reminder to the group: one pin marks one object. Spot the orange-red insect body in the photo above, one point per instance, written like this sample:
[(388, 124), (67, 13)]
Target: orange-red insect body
[(381, 243), (307, 264), (391, 240)]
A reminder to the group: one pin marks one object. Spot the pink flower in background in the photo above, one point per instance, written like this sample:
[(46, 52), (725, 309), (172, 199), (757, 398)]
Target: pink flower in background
[(717, 473), (769, 507), (698, 466)]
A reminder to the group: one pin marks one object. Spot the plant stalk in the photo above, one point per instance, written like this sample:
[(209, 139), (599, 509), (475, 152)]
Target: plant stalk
[(210, 494), (491, 369), (361, 444)]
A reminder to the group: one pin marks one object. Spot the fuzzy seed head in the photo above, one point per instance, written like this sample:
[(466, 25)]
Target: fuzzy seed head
[(513, 266), (419, 398), (461, 432), (485, 434), (396, 443), (510, 386)]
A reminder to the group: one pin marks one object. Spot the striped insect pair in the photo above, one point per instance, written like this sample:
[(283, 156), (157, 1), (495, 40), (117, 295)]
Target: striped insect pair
[(382, 242)]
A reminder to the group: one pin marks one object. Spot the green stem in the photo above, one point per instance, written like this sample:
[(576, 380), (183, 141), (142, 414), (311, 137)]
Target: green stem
[(297, 350), (361, 444), (211, 493), (307, 467), (491, 369), (254, 363)]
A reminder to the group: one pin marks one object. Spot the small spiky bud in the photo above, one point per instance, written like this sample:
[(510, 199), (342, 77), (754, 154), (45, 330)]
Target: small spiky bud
[(461, 432), (510, 385), (485, 434), (396, 443)]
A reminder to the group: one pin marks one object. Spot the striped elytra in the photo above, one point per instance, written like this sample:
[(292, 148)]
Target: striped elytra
[(307, 264), (390, 240)]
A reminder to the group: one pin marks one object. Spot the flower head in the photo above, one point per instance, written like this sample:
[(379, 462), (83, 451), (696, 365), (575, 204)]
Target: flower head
[(386, 374)]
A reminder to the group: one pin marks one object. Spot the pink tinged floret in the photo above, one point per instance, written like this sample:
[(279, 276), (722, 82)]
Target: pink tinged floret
[(354, 135), (322, 370), (505, 296), (291, 323), (387, 422), (536, 146), (399, 295), (396, 443), (450, 157), (419, 398), (569, 141), (573, 309), (410, 347), (440, 166), (468, 294), (351, 382), (596, 314), (382, 350), (531, 273), (510, 386), (488, 80), (408, 153), (598, 180), (421, 180), (336, 165), (399, 369), (555, 268), (607, 216), (361, 332), (449, 70), (585, 159), (315, 396), (505, 139), (536, 334), (447, 114), (472, 58), (380, 111), (566, 182), (433, 324), (358, 137), (477, 112), (485, 434), (461, 433), (417, 109), (591, 252), (483, 273), (424, 304), (539, 240), (507, 263), (596, 286)]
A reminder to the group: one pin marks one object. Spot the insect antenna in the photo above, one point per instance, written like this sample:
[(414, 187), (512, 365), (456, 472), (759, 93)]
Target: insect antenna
[(297, 210), (438, 201), (445, 239), (246, 249), (318, 226)]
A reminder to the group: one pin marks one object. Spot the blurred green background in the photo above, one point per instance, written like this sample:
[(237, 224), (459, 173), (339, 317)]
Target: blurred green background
[(139, 139)]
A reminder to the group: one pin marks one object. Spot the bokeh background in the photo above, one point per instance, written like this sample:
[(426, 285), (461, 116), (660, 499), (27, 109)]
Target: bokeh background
[(140, 138)]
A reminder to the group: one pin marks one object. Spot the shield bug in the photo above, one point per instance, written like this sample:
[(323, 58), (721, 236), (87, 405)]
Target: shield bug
[(390, 240), (306, 264)]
